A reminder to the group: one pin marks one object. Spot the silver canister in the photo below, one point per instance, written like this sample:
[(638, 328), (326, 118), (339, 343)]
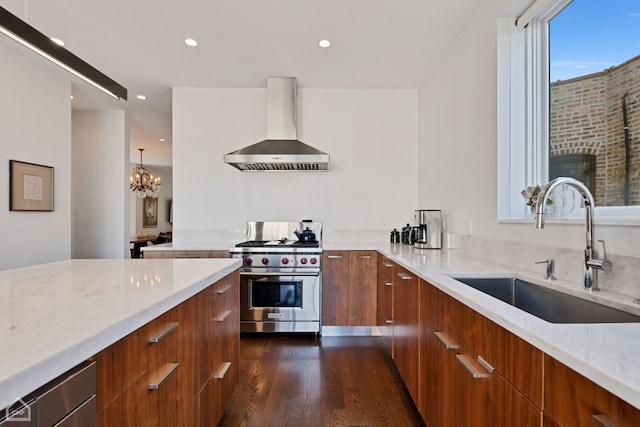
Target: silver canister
[(429, 225)]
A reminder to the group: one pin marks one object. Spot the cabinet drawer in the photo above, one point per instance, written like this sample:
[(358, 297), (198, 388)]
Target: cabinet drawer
[(572, 400), (122, 363), (515, 359), (162, 396)]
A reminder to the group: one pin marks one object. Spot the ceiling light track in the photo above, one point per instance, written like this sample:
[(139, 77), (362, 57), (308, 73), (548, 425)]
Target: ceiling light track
[(29, 37)]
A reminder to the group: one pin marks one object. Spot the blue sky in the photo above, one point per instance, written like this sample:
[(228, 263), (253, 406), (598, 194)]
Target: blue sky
[(591, 35)]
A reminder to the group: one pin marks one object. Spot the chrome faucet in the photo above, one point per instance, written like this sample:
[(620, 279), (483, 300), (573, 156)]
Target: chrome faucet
[(591, 261)]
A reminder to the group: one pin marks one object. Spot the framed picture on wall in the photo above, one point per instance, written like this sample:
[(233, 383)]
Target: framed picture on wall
[(149, 212), (30, 187)]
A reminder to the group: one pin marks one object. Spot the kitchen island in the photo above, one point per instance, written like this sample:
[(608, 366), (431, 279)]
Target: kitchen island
[(57, 315)]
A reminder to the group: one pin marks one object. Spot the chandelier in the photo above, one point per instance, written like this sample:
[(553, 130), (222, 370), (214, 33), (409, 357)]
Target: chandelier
[(142, 182)]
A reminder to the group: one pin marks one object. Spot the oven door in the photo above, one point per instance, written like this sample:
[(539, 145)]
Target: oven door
[(280, 303)]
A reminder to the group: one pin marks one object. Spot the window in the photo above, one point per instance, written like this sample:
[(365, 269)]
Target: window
[(524, 118)]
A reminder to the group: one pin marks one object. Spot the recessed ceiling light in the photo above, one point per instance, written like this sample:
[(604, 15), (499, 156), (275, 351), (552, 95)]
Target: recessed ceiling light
[(162, 140), (191, 42), (57, 41), (141, 97), (324, 43), (71, 97)]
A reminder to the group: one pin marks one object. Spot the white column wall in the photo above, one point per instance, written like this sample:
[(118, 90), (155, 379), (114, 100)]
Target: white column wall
[(35, 127), (371, 136), (100, 215)]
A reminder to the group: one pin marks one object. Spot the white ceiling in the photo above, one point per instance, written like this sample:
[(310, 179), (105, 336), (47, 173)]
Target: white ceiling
[(376, 44)]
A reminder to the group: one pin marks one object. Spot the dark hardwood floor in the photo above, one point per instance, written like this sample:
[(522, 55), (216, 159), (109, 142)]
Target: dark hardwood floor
[(303, 380)]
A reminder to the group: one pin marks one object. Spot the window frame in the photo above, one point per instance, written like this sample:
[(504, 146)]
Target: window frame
[(523, 113)]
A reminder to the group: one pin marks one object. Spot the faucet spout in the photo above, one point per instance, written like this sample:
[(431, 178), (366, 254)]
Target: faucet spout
[(590, 279)]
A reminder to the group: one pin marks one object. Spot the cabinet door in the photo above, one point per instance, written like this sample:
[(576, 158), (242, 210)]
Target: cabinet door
[(441, 374), (335, 288), (362, 288), (385, 272), (572, 400), (216, 393), (406, 329)]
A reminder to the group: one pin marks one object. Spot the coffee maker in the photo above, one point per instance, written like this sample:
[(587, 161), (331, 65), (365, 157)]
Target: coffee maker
[(429, 225)]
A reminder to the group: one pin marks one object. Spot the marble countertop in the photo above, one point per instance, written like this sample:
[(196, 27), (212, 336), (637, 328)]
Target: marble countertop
[(54, 316)]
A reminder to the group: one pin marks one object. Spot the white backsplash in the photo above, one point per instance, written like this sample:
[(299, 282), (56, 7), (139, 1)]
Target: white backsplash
[(622, 279)]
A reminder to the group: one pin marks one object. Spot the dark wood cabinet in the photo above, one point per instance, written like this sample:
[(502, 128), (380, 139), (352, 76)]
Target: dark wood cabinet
[(176, 370), (573, 400), (349, 294), (459, 385)]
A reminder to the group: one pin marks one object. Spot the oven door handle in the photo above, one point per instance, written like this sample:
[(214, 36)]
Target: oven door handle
[(280, 273)]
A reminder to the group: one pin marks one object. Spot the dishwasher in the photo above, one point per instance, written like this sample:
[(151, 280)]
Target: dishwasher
[(67, 401)]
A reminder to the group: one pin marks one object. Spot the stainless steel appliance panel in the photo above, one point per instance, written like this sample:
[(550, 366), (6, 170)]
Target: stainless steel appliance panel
[(64, 397), (83, 416), (279, 303)]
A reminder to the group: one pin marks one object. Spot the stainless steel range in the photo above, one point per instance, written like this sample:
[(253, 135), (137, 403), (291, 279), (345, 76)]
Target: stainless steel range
[(280, 277)]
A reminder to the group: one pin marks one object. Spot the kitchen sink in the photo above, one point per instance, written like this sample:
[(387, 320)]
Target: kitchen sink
[(547, 304)]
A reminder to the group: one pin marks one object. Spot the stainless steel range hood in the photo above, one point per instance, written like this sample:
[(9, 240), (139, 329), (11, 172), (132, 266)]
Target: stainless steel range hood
[(281, 151)]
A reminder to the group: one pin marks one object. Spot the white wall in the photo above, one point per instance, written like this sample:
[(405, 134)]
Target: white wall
[(100, 208), (371, 136), (457, 132), (35, 127), (164, 202)]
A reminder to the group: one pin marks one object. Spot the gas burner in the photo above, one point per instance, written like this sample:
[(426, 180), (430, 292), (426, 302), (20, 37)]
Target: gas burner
[(311, 244), (251, 244)]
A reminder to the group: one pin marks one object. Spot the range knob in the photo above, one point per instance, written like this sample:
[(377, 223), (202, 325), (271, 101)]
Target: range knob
[(265, 261), (248, 261), (313, 261), (285, 261), (303, 261)]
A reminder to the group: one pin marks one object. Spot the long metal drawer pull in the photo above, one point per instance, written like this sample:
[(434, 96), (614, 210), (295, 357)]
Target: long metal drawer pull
[(444, 340), (604, 421), (163, 376), (388, 321), (222, 316), (223, 289), (388, 283), (334, 256), (163, 333), (387, 264), (364, 256), (468, 366), (485, 365), (188, 256), (220, 373), (404, 276)]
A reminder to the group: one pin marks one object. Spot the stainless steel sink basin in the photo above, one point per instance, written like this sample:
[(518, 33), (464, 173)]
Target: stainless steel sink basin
[(548, 304)]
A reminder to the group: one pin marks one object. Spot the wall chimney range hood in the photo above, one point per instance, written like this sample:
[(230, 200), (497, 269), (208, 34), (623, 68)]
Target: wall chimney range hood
[(281, 151)]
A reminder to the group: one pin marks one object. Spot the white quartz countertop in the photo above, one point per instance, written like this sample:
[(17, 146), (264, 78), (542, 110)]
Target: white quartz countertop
[(54, 316)]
